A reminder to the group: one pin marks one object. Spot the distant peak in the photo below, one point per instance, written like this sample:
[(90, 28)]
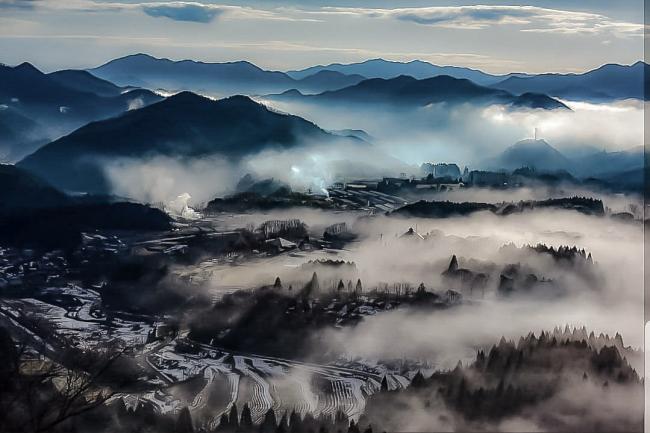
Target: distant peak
[(239, 98), (186, 96), (327, 72), (240, 101), (137, 56), (26, 66), (292, 92), (532, 142), (140, 55), (402, 77)]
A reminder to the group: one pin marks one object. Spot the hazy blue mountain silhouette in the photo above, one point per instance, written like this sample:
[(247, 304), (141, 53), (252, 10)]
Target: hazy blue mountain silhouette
[(223, 79), (45, 106), (19, 135), (531, 153), (608, 82), (84, 81), (408, 91), (540, 155), (38, 95), (380, 68), (184, 125), (328, 80), (605, 164)]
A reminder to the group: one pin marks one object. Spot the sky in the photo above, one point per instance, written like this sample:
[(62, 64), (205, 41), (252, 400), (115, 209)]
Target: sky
[(494, 36)]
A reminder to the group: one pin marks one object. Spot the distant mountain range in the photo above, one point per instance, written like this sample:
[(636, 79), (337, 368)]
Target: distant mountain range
[(407, 91), (380, 68), (606, 83), (540, 155), (183, 125), (36, 107), (221, 79)]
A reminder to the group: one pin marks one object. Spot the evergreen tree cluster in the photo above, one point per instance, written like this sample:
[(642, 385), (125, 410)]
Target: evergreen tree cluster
[(288, 423), (512, 377)]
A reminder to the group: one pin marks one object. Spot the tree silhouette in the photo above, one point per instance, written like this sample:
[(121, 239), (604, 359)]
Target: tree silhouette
[(184, 422), (233, 417), (384, 384), (246, 417), (269, 424)]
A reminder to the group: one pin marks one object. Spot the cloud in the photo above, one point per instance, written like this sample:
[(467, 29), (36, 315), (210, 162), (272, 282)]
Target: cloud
[(181, 11), (527, 18), (189, 11), (468, 134), (17, 4), (530, 18)]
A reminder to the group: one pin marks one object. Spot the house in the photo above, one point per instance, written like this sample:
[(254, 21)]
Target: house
[(279, 245), (412, 234)]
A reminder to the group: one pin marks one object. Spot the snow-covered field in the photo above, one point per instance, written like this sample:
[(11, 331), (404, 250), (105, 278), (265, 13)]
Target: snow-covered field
[(80, 323), (208, 381), (266, 382)]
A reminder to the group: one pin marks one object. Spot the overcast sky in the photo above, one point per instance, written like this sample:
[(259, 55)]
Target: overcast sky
[(494, 36)]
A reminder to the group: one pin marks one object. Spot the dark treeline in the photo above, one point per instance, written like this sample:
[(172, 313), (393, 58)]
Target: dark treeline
[(115, 416), (564, 254), (531, 379), (444, 209), (61, 227), (283, 198), (558, 381), (286, 321)]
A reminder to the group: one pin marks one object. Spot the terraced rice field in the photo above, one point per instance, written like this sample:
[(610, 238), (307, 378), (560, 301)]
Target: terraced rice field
[(264, 383)]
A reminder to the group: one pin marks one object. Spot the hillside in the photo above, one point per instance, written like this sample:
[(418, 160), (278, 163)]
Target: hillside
[(410, 92), (22, 190), (85, 82), (36, 107), (232, 127), (219, 79), (531, 153), (380, 68), (608, 82)]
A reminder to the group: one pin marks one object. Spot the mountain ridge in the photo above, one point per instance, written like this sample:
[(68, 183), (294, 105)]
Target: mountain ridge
[(382, 68), (408, 91), (233, 127), (56, 104), (610, 81), (221, 78)]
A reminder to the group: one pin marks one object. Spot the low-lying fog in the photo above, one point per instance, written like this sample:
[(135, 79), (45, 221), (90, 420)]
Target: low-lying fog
[(312, 166), (613, 303), (402, 140), (467, 134)]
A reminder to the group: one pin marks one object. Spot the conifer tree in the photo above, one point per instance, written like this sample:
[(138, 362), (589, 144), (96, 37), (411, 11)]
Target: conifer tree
[(184, 422), (269, 424), (246, 417), (384, 384), (295, 422), (233, 418), (418, 380)]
